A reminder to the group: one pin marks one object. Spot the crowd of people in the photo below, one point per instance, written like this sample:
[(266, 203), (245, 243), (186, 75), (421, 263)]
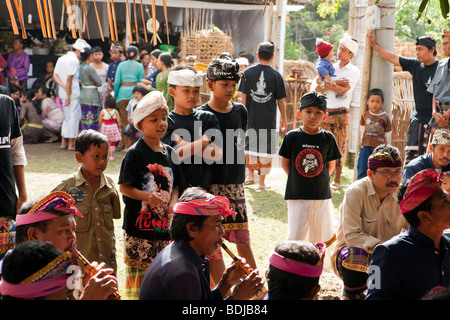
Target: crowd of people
[(183, 174)]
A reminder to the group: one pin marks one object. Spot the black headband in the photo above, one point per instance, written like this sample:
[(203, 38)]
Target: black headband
[(312, 99), (426, 41)]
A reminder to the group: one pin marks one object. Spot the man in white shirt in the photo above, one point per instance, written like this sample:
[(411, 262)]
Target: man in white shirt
[(339, 97), (66, 76)]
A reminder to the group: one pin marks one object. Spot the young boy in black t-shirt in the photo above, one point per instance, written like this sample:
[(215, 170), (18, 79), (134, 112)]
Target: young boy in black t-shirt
[(308, 156), (228, 175), (191, 131)]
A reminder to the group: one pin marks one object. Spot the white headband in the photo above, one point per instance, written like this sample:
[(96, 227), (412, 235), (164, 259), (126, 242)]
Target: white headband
[(147, 105), (349, 43), (185, 77)]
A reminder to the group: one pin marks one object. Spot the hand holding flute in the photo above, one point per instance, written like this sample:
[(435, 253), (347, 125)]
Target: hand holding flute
[(249, 283), (102, 285)]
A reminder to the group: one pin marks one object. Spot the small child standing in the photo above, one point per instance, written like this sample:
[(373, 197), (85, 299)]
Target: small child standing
[(110, 124), (95, 197), (308, 156), (228, 176), (147, 176), (375, 129), (130, 130), (324, 64)]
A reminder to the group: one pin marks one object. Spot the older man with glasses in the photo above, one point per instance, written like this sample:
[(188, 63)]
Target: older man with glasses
[(438, 159), (369, 215)]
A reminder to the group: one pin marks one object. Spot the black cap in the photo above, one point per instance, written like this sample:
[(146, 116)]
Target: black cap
[(312, 99), (426, 41)]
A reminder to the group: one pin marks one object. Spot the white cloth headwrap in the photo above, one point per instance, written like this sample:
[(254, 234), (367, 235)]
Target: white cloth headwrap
[(80, 44), (147, 105), (186, 78), (349, 43)]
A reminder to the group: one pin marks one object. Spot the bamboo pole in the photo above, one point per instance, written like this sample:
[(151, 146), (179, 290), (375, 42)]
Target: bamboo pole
[(83, 2), (111, 25), (155, 40), (365, 83), (167, 20), (12, 17), (69, 16), (135, 22), (52, 18), (143, 22), (21, 21), (41, 18), (113, 10), (98, 20), (130, 33)]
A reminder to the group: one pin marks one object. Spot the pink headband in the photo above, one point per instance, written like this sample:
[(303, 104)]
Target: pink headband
[(205, 207), (33, 289), (422, 185), (58, 200), (51, 278), (298, 267)]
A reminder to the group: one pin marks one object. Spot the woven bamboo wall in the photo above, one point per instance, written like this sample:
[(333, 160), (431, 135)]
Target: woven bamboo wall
[(402, 104)]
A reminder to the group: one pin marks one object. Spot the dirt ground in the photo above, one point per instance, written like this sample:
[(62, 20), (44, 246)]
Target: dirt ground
[(48, 159)]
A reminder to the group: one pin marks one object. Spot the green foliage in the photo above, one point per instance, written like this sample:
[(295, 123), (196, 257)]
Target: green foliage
[(324, 19)]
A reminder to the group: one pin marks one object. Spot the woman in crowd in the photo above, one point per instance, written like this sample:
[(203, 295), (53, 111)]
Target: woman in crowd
[(18, 65), (89, 98), (52, 115), (30, 118), (46, 79)]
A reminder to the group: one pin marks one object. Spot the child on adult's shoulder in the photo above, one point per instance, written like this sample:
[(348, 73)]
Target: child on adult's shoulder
[(308, 156), (130, 130), (149, 181), (110, 125), (375, 129), (228, 176), (95, 197), (324, 65)]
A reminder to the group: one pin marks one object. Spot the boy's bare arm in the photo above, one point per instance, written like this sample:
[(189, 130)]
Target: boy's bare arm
[(331, 166), (128, 190), (187, 149), (285, 163)]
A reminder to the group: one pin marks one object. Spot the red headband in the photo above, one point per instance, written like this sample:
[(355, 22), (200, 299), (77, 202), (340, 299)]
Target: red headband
[(422, 185), (298, 267), (205, 207)]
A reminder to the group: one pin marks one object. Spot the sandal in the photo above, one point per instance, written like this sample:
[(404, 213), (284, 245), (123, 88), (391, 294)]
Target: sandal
[(249, 182)]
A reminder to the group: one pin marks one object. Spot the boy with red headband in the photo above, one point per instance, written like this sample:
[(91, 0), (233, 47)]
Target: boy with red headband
[(410, 265)]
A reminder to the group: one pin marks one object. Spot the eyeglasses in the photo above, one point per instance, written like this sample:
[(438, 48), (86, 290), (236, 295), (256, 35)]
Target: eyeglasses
[(390, 174)]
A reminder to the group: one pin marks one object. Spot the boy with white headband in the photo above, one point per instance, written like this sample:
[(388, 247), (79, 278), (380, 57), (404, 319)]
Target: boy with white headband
[(191, 131), (149, 181)]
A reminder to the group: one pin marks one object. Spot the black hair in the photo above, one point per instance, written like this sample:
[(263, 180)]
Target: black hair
[(30, 94), (86, 54), (179, 222), (110, 102), (14, 89), (45, 90), (97, 49), (411, 216), (156, 53), (266, 51), (166, 58), (140, 89), (86, 138), (285, 285), (376, 92), (26, 259), (22, 231)]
